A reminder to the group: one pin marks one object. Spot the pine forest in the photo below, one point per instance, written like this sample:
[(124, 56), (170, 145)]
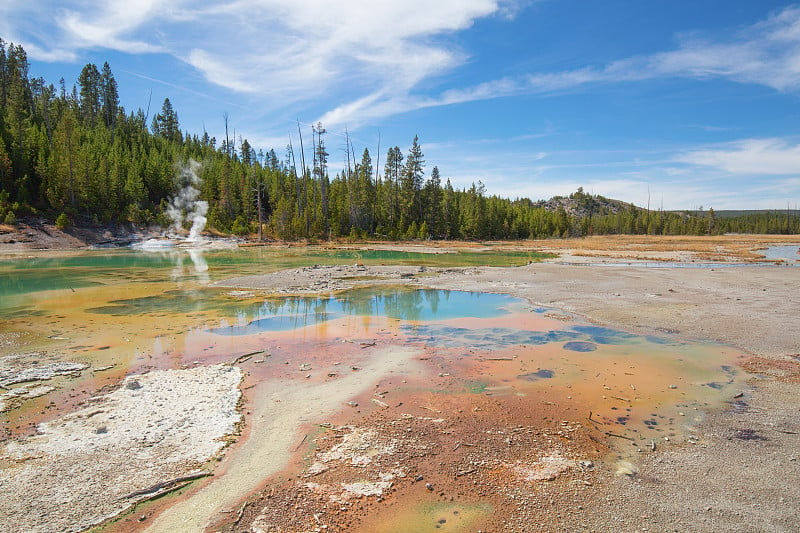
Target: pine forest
[(76, 156)]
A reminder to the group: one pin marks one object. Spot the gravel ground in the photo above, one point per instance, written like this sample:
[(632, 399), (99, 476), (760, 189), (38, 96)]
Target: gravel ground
[(738, 475)]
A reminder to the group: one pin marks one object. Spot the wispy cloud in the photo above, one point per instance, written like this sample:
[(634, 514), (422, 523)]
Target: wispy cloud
[(272, 48), (767, 53), (773, 157)]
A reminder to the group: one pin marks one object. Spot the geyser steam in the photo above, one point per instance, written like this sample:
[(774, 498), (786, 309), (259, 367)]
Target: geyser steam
[(186, 206)]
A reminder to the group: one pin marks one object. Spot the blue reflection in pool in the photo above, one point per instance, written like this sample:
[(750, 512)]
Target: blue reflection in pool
[(412, 305), (580, 346)]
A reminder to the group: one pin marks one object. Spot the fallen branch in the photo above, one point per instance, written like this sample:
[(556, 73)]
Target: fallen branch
[(167, 486), (240, 514), (244, 357), (301, 442), (619, 436), (593, 421)]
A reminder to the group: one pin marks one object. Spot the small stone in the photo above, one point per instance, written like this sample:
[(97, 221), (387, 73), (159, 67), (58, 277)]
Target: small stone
[(673, 386), (429, 486), (133, 385)]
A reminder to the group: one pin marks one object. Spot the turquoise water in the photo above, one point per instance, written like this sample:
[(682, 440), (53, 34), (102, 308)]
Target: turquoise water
[(89, 268)]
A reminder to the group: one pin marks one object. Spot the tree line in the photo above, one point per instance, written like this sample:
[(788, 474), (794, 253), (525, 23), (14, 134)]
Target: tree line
[(75, 155)]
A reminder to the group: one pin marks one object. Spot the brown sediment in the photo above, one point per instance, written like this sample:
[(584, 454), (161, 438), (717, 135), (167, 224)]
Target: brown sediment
[(786, 370), (476, 461), (484, 440)]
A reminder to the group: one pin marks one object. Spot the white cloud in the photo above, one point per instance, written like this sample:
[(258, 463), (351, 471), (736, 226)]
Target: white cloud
[(767, 53), (749, 156), (273, 49)]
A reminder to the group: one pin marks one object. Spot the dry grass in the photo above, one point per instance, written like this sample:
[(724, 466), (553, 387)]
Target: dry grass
[(644, 247), (657, 247)]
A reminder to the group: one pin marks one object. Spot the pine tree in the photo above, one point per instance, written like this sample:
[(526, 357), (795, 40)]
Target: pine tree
[(109, 97), (411, 186), (165, 124), (90, 94)]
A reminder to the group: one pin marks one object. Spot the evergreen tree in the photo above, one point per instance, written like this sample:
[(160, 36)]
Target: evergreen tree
[(109, 97), (411, 186), (90, 94), (165, 124)]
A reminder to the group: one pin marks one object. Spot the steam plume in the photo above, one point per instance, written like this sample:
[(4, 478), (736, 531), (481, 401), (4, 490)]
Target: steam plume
[(186, 206)]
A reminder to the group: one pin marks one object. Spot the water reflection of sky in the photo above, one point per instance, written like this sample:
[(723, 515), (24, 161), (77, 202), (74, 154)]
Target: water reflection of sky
[(407, 305), (576, 337), (782, 253)]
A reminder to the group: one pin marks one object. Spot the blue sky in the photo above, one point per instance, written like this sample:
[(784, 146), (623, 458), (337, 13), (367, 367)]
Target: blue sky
[(686, 103)]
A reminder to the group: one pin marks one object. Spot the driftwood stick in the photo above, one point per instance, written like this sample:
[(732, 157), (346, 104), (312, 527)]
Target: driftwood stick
[(619, 436), (301, 442), (240, 514), (244, 357), (167, 486)]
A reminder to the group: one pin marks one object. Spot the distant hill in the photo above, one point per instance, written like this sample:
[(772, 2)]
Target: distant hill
[(580, 205)]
